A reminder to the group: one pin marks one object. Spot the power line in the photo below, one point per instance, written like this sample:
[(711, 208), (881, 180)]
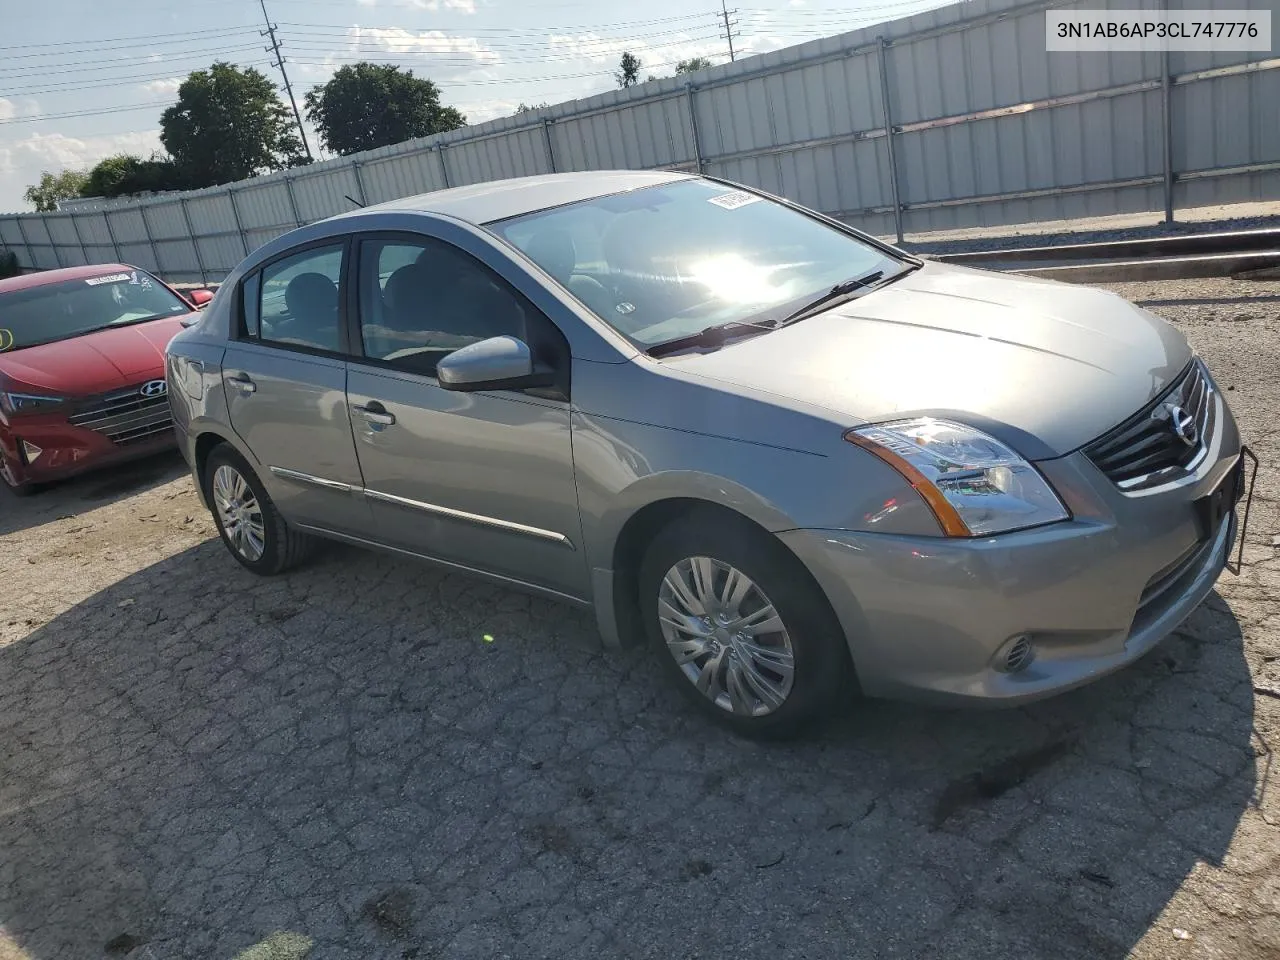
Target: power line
[(145, 40), (275, 47), (123, 108), (108, 80), (123, 63)]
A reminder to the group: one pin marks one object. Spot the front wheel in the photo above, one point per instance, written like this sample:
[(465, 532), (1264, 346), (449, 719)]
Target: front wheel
[(9, 474), (247, 520), (740, 627)]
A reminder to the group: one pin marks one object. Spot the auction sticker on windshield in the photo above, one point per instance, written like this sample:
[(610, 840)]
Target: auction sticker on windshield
[(734, 200), (109, 278), (6, 340)]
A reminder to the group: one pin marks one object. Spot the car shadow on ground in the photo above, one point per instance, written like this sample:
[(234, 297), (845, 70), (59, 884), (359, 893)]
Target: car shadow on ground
[(381, 760), (87, 492)]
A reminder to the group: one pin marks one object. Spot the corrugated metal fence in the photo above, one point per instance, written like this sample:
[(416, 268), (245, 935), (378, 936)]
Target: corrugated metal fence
[(956, 117)]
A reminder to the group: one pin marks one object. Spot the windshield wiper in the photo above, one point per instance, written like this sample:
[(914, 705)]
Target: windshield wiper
[(842, 290), (715, 336), (132, 320)]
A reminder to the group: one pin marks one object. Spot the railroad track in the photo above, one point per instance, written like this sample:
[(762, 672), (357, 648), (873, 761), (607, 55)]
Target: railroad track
[(1242, 254)]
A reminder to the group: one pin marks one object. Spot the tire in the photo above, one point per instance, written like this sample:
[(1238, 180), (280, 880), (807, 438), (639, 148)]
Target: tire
[(6, 476), (714, 649), (266, 547)]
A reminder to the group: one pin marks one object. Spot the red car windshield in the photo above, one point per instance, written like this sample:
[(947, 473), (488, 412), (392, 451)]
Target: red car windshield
[(71, 308)]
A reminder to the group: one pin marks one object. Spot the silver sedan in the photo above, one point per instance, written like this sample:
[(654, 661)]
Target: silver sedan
[(797, 462)]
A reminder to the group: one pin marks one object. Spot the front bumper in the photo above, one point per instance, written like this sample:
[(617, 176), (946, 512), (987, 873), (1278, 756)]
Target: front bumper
[(930, 618), (66, 449)]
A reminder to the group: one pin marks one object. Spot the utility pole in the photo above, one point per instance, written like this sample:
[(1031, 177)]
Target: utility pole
[(275, 48), (728, 34)]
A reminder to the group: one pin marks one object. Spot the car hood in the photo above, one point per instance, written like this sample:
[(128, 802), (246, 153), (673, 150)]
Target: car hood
[(94, 363), (1044, 366)]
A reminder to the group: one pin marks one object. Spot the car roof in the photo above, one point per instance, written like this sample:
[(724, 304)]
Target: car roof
[(43, 277), (481, 203)]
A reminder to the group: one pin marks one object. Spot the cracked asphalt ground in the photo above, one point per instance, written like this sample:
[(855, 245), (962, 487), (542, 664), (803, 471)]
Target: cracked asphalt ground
[(336, 763)]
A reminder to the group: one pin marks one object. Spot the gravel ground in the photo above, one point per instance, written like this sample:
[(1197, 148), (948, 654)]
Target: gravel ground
[(195, 763)]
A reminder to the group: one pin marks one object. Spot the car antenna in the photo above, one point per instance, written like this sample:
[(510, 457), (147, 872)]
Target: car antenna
[(354, 200)]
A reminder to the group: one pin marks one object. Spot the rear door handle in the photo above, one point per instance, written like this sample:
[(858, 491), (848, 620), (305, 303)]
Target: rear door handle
[(375, 412), (242, 383)]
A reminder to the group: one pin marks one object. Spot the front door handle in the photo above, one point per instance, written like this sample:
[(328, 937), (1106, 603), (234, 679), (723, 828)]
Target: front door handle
[(375, 412), (242, 383)]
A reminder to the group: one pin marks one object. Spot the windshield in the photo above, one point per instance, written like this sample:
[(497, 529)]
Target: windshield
[(69, 308), (667, 261)]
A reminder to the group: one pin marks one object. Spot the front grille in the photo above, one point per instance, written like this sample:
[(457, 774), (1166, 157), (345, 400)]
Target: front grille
[(1146, 450), (125, 416)]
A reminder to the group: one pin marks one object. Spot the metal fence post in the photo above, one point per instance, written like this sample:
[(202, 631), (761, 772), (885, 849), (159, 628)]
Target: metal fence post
[(195, 241), (293, 201), (888, 135), (53, 244), (546, 139), (151, 240), (111, 234), (235, 215), (84, 253), (26, 242), (444, 167), (699, 163), (1166, 112), (355, 169)]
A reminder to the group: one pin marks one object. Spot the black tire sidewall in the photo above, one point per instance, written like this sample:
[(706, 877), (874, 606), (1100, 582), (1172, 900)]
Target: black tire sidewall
[(272, 524), (22, 489), (818, 643)]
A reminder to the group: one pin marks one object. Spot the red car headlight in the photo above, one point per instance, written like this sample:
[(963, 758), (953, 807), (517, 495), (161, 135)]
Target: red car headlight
[(14, 403)]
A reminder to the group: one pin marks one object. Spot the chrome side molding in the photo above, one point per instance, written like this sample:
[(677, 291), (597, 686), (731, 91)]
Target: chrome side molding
[(479, 518)]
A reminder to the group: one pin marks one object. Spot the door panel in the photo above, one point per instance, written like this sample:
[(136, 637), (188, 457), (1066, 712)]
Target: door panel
[(481, 479), (286, 382), (295, 422)]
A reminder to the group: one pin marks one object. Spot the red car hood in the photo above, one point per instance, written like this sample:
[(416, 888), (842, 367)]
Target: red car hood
[(94, 363)]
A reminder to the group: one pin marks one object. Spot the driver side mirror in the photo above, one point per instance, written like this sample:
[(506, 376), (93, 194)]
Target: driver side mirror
[(498, 363), (200, 298)]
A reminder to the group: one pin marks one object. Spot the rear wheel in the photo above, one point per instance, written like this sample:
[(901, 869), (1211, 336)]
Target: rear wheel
[(740, 627), (247, 519)]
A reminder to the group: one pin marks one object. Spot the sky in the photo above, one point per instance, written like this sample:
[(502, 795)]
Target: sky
[(84, 79)]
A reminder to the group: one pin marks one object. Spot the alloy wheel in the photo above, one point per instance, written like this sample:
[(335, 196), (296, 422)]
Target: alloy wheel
[(726, 636), (239, 512)]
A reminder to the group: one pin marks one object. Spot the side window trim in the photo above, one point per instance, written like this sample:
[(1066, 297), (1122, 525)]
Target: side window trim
[(249, 325), (254, 279)]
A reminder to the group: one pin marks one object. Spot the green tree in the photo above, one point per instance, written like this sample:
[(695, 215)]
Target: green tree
[(368, 105), (693, 65), (228, 124), (54, 187), (124, 175), (531, 107), (628, 74)]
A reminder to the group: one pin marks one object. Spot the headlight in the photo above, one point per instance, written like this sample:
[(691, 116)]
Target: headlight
[(27, 402), (973, 483)]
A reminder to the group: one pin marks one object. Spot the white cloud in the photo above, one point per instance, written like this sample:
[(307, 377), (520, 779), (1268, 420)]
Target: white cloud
[(22, 160), (486, 110), (169, 85), (24, 107), (433, 6), (659, 60), (397, 41)]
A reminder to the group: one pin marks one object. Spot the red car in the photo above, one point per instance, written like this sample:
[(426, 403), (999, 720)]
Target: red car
[(82, 369)]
